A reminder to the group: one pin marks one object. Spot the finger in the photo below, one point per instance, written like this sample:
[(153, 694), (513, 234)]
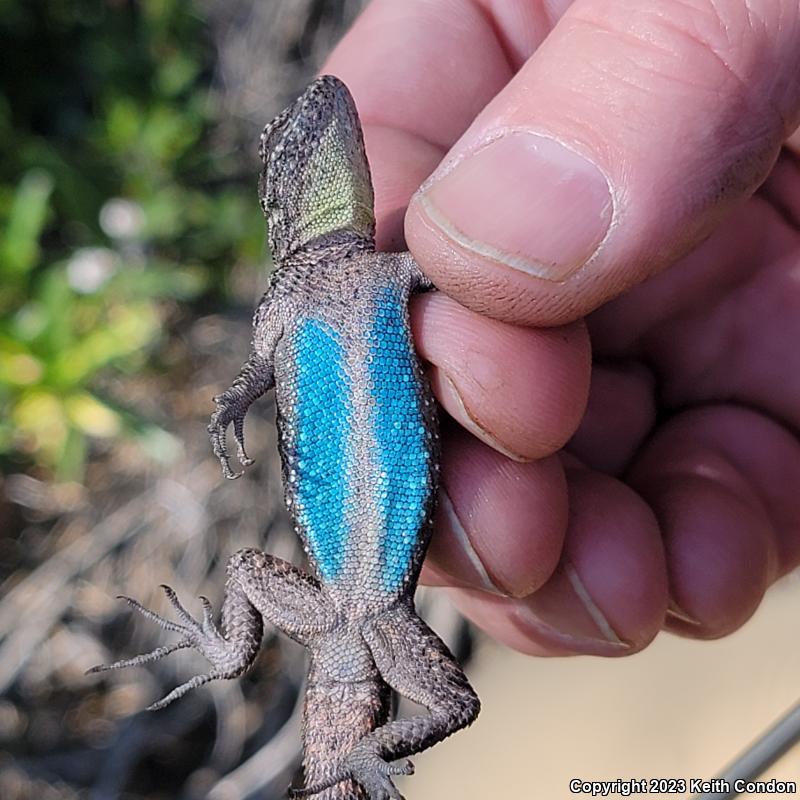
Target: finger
[(723, 484), (522, 391), (617, 147), (793, 142), (783, 186), (501, 523), (727, 259), (620, 413), (390, 54), (722, 323), (609, 593)]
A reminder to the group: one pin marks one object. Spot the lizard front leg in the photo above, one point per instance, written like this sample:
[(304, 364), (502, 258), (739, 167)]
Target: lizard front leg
[(259, 587), (418, 281), (415, 662), (256, 376)]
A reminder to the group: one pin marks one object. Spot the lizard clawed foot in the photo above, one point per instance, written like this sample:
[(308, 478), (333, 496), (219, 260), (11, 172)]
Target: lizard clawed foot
[(230, 408), (227, 660), (251, 382), (365, 765), (367, 768)]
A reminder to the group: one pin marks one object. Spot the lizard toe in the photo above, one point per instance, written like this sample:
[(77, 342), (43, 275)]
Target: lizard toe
[(238, 432), (402, 767), (217, 431), (227, 658), (366, 766)]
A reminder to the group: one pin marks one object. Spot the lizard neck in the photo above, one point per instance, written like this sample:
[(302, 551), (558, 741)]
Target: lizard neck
[(329, 248)]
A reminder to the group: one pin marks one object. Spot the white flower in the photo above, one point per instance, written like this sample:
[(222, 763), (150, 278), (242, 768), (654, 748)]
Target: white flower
[(121, 219), (90, 267)]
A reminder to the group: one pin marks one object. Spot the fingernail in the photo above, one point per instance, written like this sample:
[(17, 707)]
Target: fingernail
[(565, 612), (526, 201), (459, 411), (592, 609), (470, 561), (676, 612)]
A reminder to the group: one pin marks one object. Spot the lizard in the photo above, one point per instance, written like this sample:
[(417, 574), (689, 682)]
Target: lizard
[(359, 445)]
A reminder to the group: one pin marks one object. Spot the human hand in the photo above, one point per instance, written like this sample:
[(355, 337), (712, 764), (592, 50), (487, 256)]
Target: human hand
[(625, 153)]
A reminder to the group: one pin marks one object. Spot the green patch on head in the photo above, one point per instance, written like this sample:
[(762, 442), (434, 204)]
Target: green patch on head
[(338, 191), (316, 178)]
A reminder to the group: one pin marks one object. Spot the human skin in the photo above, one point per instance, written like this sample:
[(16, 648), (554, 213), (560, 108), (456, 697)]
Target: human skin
[(615, 203)]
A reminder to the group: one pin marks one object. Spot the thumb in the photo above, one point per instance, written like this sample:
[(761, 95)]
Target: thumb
[(619, 145)]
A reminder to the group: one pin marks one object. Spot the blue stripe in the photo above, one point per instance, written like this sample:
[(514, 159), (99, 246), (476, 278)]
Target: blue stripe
[(401, 444), (323, 415)]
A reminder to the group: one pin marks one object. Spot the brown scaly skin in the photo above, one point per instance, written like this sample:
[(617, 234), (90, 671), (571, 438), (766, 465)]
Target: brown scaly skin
[(359, 444)]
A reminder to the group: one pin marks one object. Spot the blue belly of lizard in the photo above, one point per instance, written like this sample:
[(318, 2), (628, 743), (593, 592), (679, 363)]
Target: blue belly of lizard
[(345, 475)]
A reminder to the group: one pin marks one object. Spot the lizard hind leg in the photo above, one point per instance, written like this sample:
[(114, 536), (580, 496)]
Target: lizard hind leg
[(415, 662), (229, 655), (259, 587)]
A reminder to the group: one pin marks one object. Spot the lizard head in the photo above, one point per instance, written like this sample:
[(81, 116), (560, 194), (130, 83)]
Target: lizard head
[(315, 178)]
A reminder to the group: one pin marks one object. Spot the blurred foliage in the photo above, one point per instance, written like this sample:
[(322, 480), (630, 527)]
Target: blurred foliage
[(117, 204)]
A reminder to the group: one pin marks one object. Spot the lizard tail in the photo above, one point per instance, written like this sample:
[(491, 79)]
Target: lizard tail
[(337, 715)]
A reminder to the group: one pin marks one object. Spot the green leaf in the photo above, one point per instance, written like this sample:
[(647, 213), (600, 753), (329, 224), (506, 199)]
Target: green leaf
[(167, 133), (176, 73), (19, 246), (160, 280), (71, 460), (127, 330), (19, 368), (57, 302), (123, 121), (40, 425), (92, 416)]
